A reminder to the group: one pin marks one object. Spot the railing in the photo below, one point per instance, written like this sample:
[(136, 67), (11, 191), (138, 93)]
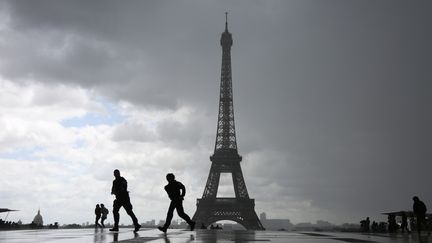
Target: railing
[(226, 201)]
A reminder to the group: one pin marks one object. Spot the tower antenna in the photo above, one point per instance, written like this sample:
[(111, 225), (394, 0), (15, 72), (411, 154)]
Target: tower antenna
[(226, 21)]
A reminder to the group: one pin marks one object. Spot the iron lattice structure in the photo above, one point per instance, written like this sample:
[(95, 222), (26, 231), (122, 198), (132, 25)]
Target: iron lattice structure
[(226, 159)]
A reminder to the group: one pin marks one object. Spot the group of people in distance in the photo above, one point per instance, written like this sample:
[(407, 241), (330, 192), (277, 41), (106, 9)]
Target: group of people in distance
[(176, 192), (101, 213), (418, 213)]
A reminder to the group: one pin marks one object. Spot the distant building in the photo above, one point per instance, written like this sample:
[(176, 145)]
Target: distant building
[(324, 224), (233, 226), (319, 226), (150, 223), (38, 219), (275, 224), (305, 226), (263, 216), (183, 224)]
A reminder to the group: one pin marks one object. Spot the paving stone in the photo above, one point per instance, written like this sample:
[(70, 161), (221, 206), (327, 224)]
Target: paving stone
[(201, 236)]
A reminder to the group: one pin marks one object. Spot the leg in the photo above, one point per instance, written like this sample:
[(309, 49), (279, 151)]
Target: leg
[(128, 207), (181, 213), (419, 223), (97, 221), (169, 215), (184, 216), (422, 222), (102, 221), (116, 208)]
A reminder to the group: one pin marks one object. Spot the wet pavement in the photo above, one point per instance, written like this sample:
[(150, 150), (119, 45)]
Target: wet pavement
[(210, 236)]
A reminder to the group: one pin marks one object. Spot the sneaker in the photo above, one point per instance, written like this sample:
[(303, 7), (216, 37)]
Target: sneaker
[(192, 225), (163, 229), (114, 229), (137, 227)]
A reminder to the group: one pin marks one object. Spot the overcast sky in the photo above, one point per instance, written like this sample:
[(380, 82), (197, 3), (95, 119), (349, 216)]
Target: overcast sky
[(332, 105)]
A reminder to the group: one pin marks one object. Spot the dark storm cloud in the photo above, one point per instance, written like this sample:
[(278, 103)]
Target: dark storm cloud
[(125, 49), (341, 90)]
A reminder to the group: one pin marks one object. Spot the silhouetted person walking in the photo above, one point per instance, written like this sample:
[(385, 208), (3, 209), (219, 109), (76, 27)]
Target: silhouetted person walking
[(176, 192), (98, 215), (392, 225), (419, 209), (119, 189), (367, 224), (104, 212)]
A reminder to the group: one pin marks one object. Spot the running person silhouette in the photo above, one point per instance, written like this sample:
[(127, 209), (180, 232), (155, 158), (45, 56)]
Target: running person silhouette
[(104, 212), (119, 189), (98, 214), (176, 192)]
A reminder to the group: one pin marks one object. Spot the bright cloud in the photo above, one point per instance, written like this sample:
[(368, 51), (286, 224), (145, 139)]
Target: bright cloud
[(70, 167)]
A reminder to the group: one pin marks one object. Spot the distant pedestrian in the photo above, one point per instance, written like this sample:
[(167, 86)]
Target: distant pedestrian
[(176, 192), (404, 223), (119, 189), (104, 212), (98, 215), (419, 209), (392, 225), (367, 224), (374, 227)]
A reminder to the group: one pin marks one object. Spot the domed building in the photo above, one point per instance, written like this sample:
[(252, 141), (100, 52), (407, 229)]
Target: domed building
[(38, 219)]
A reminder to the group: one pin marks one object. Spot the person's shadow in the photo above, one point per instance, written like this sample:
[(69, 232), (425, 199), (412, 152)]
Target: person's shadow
[(191, 239), (166, 239), (99, 236), (115, 237)]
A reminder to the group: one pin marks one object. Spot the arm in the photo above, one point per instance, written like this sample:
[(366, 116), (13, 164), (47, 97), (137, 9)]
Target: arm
[(183, 189), (125, 184), (112, 189), (120, 186)]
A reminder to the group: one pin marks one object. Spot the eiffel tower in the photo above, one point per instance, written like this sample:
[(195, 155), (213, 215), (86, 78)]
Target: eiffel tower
[(226, 159)]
